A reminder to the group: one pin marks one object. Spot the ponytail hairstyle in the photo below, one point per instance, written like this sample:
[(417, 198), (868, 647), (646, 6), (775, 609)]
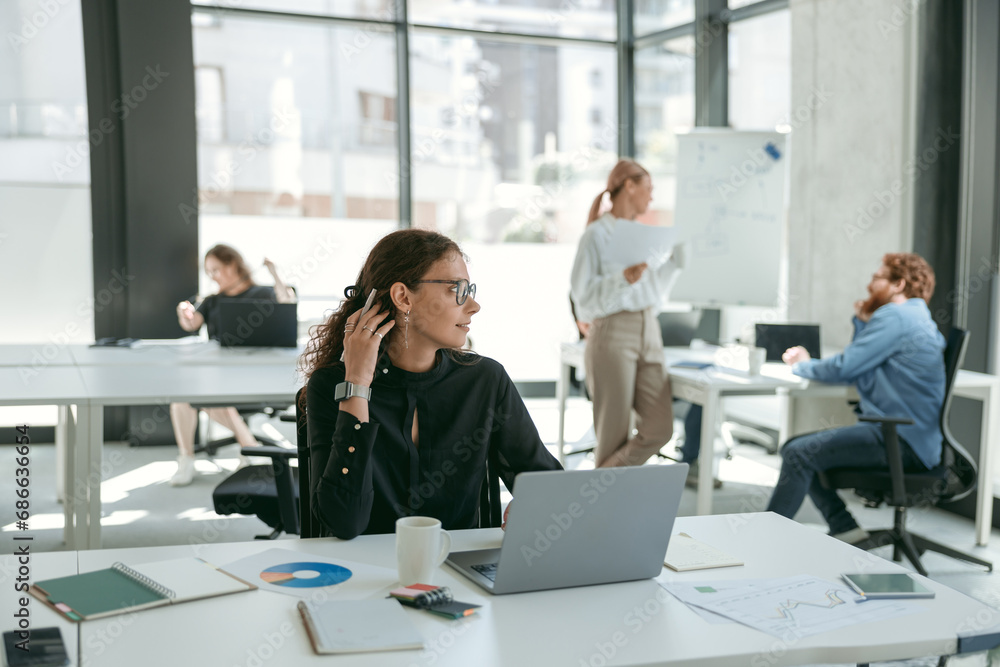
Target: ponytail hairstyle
[(625, 170), (230, 256), (404, 256)]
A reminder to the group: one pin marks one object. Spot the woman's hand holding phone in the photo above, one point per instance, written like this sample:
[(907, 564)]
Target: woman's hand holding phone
[(363, 335)]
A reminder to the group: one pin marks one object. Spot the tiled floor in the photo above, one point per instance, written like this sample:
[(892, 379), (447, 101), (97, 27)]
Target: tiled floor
[(141, 509)]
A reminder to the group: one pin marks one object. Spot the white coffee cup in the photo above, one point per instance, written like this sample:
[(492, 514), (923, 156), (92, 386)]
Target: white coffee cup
[(756, 357), (421, 547)]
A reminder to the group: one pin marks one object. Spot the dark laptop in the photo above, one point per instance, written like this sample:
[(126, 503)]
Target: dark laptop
[(776, 338), (257, 323), (679, 328)]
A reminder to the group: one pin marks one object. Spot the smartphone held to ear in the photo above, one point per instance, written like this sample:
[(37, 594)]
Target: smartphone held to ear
[(368, 306)]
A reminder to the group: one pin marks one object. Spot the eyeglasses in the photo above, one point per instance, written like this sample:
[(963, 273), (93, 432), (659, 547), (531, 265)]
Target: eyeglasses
[(463, 288)]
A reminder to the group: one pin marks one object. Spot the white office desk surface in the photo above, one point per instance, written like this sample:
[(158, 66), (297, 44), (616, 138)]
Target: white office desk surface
[(35, 355), (635, 623), (183, 351), (153, 384), (52, 385), (43, 566), (162, 384)]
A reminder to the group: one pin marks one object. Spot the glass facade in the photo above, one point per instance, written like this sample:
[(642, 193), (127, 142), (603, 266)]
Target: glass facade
[(45, 215), (512, 111), (760, 72)]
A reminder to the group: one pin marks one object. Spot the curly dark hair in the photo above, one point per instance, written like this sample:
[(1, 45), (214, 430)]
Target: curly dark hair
[(404, 257), (915, 270)]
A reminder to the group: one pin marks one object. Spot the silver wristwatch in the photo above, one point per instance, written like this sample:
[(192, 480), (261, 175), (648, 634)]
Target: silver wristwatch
[(346, 390)]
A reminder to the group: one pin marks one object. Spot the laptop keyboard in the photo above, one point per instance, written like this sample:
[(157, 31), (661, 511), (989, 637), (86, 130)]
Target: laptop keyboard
[(488, 570)]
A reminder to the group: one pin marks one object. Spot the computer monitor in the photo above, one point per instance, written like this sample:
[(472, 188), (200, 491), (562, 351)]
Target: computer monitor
[(678, 328), (257, 323), (776, 338)]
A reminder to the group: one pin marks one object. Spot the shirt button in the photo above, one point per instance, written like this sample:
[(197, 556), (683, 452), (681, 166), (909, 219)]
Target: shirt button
[(385, 371), (357, 427), (350, 449), (344, 470)]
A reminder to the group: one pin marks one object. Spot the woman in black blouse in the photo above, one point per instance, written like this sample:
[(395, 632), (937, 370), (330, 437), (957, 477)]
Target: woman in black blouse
[(403, 424)]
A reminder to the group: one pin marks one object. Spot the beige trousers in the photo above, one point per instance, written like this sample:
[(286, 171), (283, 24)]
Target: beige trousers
[(624, 362)]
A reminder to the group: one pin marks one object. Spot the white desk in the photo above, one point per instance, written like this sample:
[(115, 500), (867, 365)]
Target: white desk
[(158, 384), (183, 351), (707, 388), (565, 627), (88, 379)]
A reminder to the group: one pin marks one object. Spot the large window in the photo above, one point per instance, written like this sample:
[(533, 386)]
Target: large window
[(45, 176), (760, 71), (511, 143), (653, 15), (593, 19), (512, 118), (664, 104), (297, 152)]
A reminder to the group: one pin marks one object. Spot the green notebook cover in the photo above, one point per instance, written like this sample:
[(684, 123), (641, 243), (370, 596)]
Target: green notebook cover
[(94, 594)]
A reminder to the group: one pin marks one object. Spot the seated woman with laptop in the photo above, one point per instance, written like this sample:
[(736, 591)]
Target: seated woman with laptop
[(401, 419), (225, 265)]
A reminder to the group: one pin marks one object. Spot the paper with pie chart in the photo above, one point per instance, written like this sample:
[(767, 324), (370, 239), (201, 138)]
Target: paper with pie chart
[(306, 575)]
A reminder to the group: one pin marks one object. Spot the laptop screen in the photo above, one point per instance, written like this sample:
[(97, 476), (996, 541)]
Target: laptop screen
[(257, 323), (776, 338), (678, 328)]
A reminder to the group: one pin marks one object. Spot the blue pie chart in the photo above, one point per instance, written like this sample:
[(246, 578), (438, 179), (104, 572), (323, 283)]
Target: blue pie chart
[(306, 575)]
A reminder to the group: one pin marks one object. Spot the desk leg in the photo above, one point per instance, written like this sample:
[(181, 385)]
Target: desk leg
[(67, 462), (62, 433), (706, 457), (984, 491), (90, 430), (562, 389)]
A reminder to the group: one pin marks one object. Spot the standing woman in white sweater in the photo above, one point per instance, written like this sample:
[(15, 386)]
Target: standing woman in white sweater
[(624, 354)]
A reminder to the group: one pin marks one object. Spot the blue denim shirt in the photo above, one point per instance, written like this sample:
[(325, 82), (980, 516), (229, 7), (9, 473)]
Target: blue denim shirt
[(896, 359)]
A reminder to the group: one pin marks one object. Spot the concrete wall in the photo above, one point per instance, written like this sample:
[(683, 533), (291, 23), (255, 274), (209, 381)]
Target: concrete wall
[(850, 182)]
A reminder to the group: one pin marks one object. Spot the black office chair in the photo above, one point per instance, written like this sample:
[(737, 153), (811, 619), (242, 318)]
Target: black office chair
[(953, 479), (272, 492), (245, 410)]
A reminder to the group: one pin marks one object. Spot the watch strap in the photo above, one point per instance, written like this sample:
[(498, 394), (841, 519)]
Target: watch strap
[(346, 390)]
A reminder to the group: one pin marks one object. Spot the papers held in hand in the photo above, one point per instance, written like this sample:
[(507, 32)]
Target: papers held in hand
[(633, 243), (886, 586)]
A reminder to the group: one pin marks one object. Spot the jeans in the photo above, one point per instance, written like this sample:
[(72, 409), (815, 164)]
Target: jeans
[(692, 435), (858, 446)]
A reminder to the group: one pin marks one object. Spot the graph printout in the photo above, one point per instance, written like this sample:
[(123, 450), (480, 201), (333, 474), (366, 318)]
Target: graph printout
[(798, 606)]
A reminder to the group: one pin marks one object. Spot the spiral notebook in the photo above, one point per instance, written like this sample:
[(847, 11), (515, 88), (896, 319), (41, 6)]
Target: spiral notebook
[(121, 588)]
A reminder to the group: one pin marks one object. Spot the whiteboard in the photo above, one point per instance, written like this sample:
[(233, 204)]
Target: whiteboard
[(730, 214)]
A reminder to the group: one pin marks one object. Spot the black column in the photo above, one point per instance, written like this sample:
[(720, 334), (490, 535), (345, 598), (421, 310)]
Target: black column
[(140, 99), (937, 148), (140, 92)]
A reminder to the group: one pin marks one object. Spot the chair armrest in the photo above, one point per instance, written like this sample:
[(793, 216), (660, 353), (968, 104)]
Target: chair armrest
[(271, 452), (885, 420)]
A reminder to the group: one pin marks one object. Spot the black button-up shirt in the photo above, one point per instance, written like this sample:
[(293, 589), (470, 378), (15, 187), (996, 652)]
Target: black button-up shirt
[(364, 476)]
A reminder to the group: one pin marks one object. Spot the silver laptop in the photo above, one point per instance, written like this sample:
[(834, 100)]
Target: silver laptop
[(580, 528)]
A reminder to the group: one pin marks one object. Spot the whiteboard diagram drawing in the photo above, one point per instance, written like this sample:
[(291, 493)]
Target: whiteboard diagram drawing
[(730, 211)]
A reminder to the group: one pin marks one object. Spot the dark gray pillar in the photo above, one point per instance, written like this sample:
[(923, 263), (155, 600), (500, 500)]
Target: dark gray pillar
[(140, 98)]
